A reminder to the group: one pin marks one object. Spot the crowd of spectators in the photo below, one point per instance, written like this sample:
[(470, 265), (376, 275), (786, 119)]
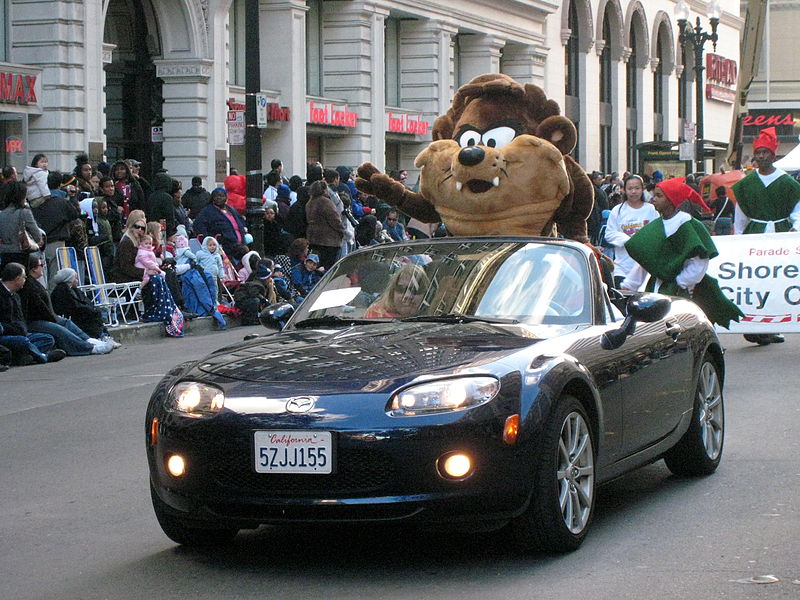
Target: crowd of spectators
[(143, 232)]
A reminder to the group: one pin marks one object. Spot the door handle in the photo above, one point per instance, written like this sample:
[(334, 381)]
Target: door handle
[(674, 330)]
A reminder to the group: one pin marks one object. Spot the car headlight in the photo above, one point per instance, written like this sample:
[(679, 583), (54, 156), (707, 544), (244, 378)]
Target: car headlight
[(195, 399), (443, 395)]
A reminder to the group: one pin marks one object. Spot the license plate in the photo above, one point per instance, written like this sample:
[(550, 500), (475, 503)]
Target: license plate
[(294, 452)]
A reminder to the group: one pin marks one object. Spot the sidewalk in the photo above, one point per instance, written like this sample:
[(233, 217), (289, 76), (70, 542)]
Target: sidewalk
[(148, 332)]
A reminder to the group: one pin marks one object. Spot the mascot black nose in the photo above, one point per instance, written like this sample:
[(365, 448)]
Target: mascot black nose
[(471, 156)]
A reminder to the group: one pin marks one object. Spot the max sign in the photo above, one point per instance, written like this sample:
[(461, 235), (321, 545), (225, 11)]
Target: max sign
[(17, 88), (760, 274)]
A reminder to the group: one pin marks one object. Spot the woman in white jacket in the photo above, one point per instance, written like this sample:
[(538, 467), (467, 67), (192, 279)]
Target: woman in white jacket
[(36, 177), (627, 218)]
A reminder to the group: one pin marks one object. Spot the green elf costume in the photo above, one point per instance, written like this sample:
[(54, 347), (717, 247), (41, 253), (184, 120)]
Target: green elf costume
[(768, 199), (674, 250)]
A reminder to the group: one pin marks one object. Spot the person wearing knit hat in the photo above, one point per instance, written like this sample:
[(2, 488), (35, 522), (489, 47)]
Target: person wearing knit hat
[(767, 201), (674, 250)]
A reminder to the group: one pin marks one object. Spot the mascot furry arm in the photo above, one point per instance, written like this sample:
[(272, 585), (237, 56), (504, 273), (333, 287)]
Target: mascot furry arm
[(479, 169)]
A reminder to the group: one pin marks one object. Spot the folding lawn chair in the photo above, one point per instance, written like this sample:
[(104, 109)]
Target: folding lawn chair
[(123, 297), (67, 258)]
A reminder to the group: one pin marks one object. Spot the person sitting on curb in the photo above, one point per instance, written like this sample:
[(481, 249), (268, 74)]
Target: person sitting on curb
[(40, 317), (26, 348), (72, 302)]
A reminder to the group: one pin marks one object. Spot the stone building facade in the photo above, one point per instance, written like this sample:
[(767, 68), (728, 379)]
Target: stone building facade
[(342, 81)]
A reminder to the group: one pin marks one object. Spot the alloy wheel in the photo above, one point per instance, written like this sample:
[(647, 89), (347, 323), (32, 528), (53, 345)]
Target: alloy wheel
[(575, 472), (712, 416)]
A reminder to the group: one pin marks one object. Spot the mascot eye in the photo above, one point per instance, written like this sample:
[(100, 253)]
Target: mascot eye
[(498, 137), (469, 138)]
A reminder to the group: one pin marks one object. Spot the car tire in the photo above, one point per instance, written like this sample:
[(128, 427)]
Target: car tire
[(562, 499), (699, 451), (183, 532)]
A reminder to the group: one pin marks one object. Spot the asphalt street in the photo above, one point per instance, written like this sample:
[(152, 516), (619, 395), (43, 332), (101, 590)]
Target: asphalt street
[(76, 520)]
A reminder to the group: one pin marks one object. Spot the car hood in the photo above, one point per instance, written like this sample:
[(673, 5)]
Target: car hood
[(367, 356)]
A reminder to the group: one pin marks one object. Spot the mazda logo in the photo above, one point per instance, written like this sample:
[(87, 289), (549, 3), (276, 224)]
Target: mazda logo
[(302, 404)]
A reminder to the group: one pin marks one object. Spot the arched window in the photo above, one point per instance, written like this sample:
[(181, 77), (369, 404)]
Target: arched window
[(572, 82), (571, 54), (658, 90), (606, 112), (632, 102)]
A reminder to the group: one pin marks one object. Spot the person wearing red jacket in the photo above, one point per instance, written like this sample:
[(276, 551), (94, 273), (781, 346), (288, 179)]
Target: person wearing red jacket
[(236, 186)]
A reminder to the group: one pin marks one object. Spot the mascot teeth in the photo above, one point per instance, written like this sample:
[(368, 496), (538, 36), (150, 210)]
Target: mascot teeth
[(458, 186), (496, 181)]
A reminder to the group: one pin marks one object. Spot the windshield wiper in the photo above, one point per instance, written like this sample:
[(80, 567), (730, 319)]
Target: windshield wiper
[(459, 318), (335, 320)]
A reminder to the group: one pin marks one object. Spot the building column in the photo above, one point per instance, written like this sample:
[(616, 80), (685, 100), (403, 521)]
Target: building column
[(425, 78), (646, 109), (186, 93), (619, 107), (524, 63), (478, 54), (51, 34), (589, 134), (353, 71), (283, 69)]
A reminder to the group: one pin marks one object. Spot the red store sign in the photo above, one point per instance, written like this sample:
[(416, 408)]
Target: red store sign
[(16, 88), (276, 112), (405, 123), (722, 74), (330, 114)]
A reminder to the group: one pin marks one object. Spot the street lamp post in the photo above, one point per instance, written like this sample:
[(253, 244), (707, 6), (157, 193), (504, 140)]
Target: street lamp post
[(695, 38)]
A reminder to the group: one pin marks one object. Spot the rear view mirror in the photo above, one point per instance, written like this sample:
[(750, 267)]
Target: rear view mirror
[(648, 308), (275, 315), (644, 308)]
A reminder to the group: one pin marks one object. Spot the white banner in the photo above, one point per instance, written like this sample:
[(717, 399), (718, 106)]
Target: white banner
[(760, 273)]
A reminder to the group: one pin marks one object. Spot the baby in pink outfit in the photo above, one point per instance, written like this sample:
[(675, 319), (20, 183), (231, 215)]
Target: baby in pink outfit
[(146, 259)]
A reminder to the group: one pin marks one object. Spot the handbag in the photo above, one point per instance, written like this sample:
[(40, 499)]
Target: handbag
[(26, 241)]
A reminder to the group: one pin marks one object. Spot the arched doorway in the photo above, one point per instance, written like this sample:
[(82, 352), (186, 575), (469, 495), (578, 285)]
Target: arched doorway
[(133, 92)]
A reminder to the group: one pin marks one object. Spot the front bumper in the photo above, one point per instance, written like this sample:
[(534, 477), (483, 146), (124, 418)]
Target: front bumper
[(384, 473)]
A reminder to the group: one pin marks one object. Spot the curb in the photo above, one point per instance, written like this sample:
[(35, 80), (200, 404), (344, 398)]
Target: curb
[(144, 332)]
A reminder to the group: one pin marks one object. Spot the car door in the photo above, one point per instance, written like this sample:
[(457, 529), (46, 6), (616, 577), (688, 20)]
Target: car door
[(655, 377)]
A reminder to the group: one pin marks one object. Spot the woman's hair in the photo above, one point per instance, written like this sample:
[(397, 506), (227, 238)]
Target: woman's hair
[(295, 182), (15, 192), (318, 188), (366, 230), (176, 185), (298, 247), (36, 159), (136, 215), (154, 230), (80, 160), (419, 280), (625, 184), (118, 164)]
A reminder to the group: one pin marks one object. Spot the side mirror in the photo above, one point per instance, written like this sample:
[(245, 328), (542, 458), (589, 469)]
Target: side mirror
[(646, 308), (275, 316)]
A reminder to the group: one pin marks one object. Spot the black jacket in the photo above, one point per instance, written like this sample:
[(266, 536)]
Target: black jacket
[(162, 205), (11, 315), (35, 300), (195, 199), (53, 215)]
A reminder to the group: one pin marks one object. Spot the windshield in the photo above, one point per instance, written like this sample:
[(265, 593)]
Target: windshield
[(513, 281)]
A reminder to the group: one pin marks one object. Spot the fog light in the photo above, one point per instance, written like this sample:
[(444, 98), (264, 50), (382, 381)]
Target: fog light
[(176, 465), (456, 466)]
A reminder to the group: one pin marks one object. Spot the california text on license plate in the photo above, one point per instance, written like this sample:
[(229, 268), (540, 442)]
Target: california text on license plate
[(293, 452)]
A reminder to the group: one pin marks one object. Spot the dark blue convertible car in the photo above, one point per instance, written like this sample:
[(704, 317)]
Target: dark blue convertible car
[(460, 381)]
